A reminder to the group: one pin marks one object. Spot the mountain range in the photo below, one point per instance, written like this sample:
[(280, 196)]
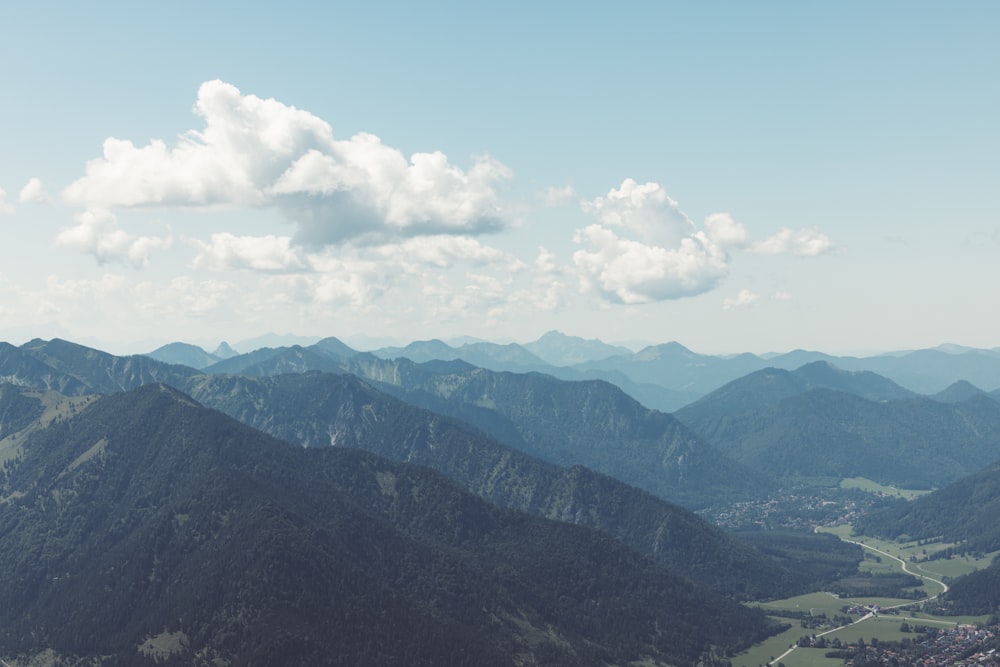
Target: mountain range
[(321, 409), (668, 376), (822, 421), (143, 528)]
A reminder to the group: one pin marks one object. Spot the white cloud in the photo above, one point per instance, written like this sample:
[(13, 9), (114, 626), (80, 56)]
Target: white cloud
[(722, 229), (6, 208), (556, 196), (97, 233), (645, 210), (669, 256), (807, 242), (631, 272), (227, 252), (33, 192), (256, 152), (742, 300), (781, 295)]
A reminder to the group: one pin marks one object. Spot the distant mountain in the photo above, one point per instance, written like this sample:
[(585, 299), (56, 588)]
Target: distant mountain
[(275, 361), (768, 387), (75, 370), (146, 529), (275, 340), (676, 367), (184, 354), (915, 443), (558, 349), (224, 351), (958, 392)]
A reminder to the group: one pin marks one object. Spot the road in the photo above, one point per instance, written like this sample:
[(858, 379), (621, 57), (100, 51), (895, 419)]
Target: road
[(903, 565)]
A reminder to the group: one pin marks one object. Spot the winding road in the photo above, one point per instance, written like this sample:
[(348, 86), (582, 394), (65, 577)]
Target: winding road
[(902, 563)]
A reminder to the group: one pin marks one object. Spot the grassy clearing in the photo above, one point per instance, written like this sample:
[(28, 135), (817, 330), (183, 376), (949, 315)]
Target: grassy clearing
[(885, 628), (914, 553), (874, 487), (772, 647)]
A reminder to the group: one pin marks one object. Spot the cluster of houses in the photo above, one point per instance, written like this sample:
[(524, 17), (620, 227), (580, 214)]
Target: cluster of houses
[(959, 646)]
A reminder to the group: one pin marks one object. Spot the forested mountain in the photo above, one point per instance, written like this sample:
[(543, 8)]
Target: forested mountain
[(184, 354), (147, 529), (558, 349), (958, 392), (317, 410), (590, 423), (519, 359), (965, 511), (75, 369), (770, 386), (914, 443)]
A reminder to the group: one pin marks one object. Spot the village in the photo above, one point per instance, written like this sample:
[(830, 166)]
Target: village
[(961, 645)]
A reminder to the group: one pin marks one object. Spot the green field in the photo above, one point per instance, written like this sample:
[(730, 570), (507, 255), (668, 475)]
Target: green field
[(886, 627), (874, 487)]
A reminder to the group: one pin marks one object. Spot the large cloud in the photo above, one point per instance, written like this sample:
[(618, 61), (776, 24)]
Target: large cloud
[(667, 256), (645, 248), (257, 152)]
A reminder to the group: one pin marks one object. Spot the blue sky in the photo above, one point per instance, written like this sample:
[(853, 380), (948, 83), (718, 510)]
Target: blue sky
[(733, 176)]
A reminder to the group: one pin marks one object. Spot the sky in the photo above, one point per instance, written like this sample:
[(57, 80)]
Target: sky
[(733, 176)]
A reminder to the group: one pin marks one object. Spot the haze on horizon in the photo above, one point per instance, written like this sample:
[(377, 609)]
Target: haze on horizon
[(735, 178)]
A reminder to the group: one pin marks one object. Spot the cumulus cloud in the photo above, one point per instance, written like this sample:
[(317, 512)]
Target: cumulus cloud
[(808, 242), (742, 300), (257, 152), (33, 192), (631, 272), (655, 252), (781, 295), (97, 232), (645, 210), (6, 207)]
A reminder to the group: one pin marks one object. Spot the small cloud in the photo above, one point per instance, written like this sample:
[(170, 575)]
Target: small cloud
[(33, 193), (742, 300), (725, 231), (6, 208), (781, 295), (97, 233), (556, 196), (806, 242)]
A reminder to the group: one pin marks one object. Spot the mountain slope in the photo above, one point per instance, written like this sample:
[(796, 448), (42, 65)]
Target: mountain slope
[(147, 520), (914, 443), (770, 386), (318, 410), (590, 423), (184, 354), (75, 369), (965, 511)]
